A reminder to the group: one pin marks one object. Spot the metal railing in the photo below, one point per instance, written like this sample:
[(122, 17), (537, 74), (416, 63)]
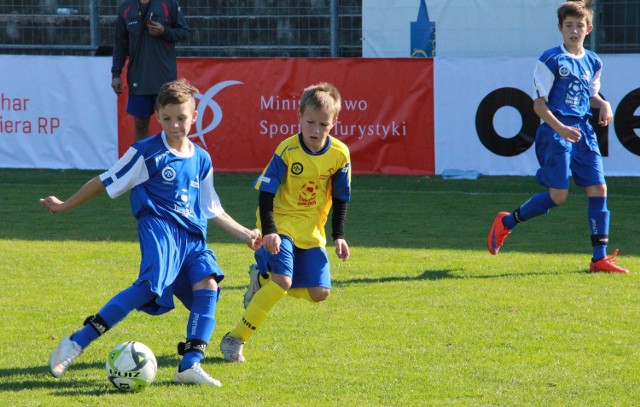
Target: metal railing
[(259, 28), (247, 28)]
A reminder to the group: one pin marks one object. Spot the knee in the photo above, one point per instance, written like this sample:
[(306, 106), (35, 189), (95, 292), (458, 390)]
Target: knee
[(319, 294), (597, 190), (207, 283), (559, 196)]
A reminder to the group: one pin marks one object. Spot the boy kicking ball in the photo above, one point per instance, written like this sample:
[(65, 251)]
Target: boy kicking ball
[(173, 198)]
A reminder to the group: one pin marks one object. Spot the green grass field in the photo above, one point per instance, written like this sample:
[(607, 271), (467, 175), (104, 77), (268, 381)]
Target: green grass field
[(421, 314)]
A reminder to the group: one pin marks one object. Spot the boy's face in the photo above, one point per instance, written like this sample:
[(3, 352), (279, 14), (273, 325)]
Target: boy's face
[(176, 120), (316, 125), (574, 30)]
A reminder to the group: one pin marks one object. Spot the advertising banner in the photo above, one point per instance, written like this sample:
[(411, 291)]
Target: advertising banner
[(248, 106), (485, 119), (57, 112)]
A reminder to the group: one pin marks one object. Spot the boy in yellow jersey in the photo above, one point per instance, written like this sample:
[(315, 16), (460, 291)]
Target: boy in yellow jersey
[(309, 173)]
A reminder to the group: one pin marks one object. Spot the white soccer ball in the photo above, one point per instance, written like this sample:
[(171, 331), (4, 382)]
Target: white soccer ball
[(131, 366)]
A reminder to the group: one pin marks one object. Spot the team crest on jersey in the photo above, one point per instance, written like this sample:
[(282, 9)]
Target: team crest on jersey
[(564, 70), (168, 174), (308, 194), (297, 168)]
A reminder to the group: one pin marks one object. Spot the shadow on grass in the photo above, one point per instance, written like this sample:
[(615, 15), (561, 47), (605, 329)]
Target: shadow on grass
[(427, 275), (434, 275), (72, 385)]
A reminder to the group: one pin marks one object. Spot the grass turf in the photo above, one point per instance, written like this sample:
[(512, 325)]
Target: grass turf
[(421, 314)]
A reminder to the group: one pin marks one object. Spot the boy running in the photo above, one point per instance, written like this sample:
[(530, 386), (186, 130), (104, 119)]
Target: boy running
[(566, 84), (309, 173)]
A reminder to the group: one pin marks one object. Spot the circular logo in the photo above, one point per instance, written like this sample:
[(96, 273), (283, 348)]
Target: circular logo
[(168, 174), (564, 70), (297, 168)]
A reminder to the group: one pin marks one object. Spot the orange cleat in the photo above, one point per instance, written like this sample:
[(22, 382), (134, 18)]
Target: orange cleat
[(497, 234), (607, 265)]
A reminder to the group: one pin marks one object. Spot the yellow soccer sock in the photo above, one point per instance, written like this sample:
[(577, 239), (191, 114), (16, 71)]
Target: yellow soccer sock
[(263, 281), (263, 300), (302, 292)]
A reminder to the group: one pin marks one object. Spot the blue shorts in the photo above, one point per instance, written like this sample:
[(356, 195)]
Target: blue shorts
[(560, 159), (173, 260), (305, 267), (141, 105)]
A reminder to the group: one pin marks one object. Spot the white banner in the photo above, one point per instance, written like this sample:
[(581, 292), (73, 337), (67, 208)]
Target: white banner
[(479, 28), (484, 117), (57, 112)]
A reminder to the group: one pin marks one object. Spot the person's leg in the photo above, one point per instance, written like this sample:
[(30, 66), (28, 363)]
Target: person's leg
[(554, 157), (598, 217), (140, 128), (311, 275), (96, 325), (141, 107), (197, 287), (274, 290)]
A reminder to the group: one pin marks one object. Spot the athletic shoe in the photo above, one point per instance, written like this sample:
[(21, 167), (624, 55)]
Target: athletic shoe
[(231, 348), (254, 284), (498, 233), (607, 265), (195, 375), (63, 355)]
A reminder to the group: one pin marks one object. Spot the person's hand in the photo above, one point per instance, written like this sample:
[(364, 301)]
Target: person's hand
[(256, 239), (571, 134), (155, 29), (116, 85), (606, 114), (271, 243), (342, 249), (53, 204)]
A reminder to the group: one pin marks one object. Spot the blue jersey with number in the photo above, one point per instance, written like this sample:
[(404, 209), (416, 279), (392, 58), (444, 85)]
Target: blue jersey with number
[(567, 81), (166, 183), (304, 184)]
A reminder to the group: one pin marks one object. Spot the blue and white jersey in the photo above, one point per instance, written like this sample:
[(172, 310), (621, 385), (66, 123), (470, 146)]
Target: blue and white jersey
[(166, 183), (567, 81)]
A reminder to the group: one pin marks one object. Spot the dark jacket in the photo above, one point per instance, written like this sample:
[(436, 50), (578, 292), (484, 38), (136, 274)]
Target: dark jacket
[(152, 60)]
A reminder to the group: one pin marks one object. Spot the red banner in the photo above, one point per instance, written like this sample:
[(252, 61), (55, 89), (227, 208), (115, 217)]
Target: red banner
[(247, 106)]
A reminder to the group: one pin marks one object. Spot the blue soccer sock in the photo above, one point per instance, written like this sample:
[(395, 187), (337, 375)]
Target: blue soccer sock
[(599, 225), (537, 205), (201, 324), (113, 312)]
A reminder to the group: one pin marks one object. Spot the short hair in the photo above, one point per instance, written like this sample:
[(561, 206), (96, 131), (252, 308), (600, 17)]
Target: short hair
[(575, 8), (175, 93), (323, 96)]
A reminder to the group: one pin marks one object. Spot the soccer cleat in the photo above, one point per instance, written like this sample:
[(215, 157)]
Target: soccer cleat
[(63, 355), (498, 233), (607, 265), (231, 348), (196, 375), (254, 284)]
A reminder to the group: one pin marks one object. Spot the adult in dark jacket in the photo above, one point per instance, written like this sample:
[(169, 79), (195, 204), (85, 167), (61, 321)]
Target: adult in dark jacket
[(146, 33)]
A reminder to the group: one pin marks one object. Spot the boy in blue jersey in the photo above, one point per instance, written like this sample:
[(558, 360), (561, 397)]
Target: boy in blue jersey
[(309, 173), (566, 84), (172, 196)]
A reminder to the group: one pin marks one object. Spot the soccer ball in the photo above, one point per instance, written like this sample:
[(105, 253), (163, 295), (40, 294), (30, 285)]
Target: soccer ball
[(131, 366)]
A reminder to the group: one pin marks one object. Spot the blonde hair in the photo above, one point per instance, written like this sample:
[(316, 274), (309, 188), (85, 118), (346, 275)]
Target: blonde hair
[(576, 8), (324, 96), (175, 93)]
